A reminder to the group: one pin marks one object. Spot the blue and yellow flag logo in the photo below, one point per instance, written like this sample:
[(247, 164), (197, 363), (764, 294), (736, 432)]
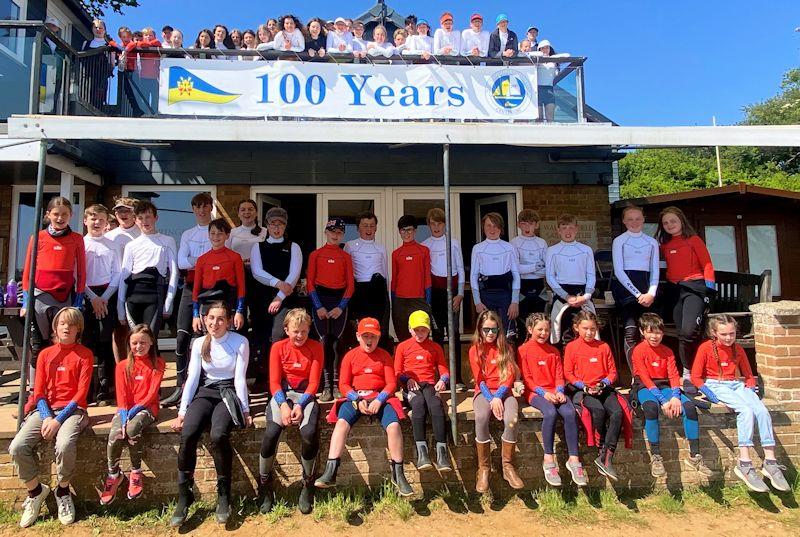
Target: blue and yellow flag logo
[(185, 86)]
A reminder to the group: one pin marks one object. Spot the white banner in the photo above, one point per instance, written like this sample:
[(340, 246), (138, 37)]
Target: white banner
[(348, 91)]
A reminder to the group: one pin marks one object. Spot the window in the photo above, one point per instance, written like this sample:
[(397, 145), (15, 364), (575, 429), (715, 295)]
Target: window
[(762, 253), (721, 243), (10, 10)]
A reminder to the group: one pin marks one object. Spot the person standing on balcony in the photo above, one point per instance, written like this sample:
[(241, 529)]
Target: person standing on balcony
[(249, 42), (691, 283), (126, 66), (100, 67), (421, 43), (475, 40), (290, 37), (546, 73), (194, 243), (340, 40), (446, 40), (503, 42), (317, 38), (145, 80), (237, 38), (380, 44), (276, 264), (359, 43), (166, 36)]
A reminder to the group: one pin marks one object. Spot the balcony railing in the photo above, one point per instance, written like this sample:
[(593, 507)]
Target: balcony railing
[(40, 73)]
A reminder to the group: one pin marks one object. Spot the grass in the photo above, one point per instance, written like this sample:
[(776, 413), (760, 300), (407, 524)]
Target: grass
[(557, 505), (389, 502), (664, 502), (341, 506)]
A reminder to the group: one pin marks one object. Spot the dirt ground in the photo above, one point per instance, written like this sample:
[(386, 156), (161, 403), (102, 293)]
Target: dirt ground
[(728, 512)]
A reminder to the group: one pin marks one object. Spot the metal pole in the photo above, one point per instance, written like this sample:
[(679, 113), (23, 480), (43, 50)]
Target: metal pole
[(580, 94), (451, 320), (716, 149), (36, 73), (31, 302)]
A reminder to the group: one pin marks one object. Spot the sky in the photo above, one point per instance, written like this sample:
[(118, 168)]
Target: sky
[(650, 62)]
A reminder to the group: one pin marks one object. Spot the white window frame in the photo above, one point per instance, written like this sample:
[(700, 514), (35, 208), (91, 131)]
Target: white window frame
[(16, 190), (18, 55)]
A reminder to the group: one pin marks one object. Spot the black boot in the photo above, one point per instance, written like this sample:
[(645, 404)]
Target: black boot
[(174, 398), (442, 458), (185, 499), (604, 463), (423, 460), (306, 501), (223, 500), (328, 478), (399, 479), (266, 495)]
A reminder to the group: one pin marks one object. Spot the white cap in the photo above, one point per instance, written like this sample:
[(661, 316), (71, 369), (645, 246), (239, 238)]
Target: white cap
[(545, 43), (339, 19), (54, 21)]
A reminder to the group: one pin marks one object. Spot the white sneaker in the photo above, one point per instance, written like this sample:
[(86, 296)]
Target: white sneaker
[(32, 506), (66, 509)]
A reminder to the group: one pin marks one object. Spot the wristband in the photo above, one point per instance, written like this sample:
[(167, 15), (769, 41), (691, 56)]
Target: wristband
[(676, 393), (305, 399), (78, 302), (711, 285), (383, 397), (606, 381), (487, 393), (658, 395), (240, 305), (352, 396), (196, 310), (580, 385), (428, 295), (539, 391), (711, 396), (343, 303), (403, 377), (279, 397), (66, 412), (445, 378), (123, 416), (135, 410), (44, 408), (560, 389), (501, 392), (315, 300)]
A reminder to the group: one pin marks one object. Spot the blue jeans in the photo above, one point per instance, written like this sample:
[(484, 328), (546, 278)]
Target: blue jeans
[(748, 408), (349, 413)]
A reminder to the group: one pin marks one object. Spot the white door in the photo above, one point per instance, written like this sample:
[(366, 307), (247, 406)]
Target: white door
[(506, 205)]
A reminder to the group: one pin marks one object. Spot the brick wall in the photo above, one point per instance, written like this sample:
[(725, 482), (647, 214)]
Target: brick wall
[(366, 460), (586, 202), (777, 333)]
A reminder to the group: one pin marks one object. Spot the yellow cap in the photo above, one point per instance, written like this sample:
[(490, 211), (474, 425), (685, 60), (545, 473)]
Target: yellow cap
[(419, 319)]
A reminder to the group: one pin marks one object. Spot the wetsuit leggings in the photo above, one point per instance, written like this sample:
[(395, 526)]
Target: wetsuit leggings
[(531, 301), (549, 413), (498, 300), (371, 299), (630, 314), (145, 308), (183, 340), (652, 411), (439, 307), (330, 332), (606, 414), (567, 331), (426, 401), (309, 432), (99, 333), (44, 311), (207, 410), (402, 308), (688, 314)]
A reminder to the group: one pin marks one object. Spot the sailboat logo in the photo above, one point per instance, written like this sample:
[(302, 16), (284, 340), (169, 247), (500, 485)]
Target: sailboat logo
[(186, 86), (510, 92)]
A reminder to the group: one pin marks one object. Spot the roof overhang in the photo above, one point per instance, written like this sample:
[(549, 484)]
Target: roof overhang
[(370, 132)]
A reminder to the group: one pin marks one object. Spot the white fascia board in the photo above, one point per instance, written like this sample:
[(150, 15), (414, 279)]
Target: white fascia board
[(18, 150)]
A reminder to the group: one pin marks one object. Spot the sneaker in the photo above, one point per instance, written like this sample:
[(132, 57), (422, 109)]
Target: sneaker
[(135, 484), (110, 488), (657, 466), (327, 396), (578, 474), (31, 507), (774, 472), (551, 474), (688, 386), (604, 464), (747, 473), (697, 463), (66, 509)]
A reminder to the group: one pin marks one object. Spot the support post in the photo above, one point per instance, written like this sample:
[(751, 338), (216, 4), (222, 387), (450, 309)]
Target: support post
[(451, 321), (580, 94), (31, 297)]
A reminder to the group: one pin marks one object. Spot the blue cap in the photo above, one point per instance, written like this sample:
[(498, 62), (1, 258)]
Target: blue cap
[(334, 224), (423, 21), (501, 17)]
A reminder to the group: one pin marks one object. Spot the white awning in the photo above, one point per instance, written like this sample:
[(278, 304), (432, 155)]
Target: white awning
[(312, 131)]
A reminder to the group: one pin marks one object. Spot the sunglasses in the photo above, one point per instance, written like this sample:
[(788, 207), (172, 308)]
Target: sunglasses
[(488, 331)]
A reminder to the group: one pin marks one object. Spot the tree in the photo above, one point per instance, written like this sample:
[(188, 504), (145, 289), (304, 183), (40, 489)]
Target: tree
[(663, 171), (96, 8)]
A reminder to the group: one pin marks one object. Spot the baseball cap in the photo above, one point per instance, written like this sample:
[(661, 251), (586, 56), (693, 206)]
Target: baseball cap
[(368, 325), (532, 28), (421, 22), (335, 223), (339, 19), (475, 16), (277, 213), (545, 43), (123, 205), (500, 18), (446, 15), (418, 319), (54, 21)]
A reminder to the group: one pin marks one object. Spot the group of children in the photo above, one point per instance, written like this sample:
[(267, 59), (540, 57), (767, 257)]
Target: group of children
[(506, 279)]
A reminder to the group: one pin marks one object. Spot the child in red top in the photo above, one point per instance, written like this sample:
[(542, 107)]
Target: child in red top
[(657, 387), (422, 372), (718, 367), (543, 376), (368, 381), (138, 381), (691, 287), (411, 275), (56, 410), (295, 364), (491, 359), (219, 275), (330, 284), (60, 272), (589, 368)]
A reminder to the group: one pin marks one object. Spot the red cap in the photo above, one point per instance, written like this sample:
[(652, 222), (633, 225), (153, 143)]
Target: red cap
[(475, 16), (368, 325), (446, 15)]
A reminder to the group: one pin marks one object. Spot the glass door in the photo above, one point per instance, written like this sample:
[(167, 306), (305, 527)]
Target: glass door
[(348, 205), (762, 253), (504, 204)]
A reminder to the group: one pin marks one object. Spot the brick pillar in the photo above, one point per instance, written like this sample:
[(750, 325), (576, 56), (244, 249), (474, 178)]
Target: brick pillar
[(777, 334)]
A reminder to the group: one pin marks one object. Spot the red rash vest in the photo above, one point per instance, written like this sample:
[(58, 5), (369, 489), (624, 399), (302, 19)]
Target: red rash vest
[(588, 362), (63, 375), (330, 267), (687, 259), (216, 265), (295, 364), (411, 270), (655, 363), (541, 367), (423, 362), (487, 370), (60, 265), (706, 366), (142, 387)]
